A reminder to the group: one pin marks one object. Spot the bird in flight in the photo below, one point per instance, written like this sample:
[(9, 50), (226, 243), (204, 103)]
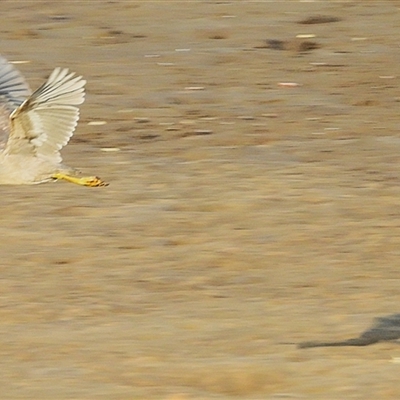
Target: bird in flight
[(36, 126)]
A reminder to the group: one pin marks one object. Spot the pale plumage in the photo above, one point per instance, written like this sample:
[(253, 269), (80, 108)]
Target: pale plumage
[(38, 125)]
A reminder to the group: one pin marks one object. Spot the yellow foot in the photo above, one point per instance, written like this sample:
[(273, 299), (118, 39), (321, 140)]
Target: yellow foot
[(92, 181)]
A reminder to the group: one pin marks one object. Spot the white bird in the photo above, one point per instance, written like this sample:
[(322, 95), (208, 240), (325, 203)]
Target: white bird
[(36, 126)]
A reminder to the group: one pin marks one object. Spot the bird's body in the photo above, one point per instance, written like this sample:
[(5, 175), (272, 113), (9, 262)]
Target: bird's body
[(35, 126)]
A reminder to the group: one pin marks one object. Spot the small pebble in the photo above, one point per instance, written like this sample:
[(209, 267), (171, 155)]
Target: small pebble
[(288, 84), (194, 88), (110, 149), (306, 36), (307, 45), (97, 123), (246, 117), (319, 19), (209, 118), (203, 131), (59, 17), (275, 44), (142, 120)]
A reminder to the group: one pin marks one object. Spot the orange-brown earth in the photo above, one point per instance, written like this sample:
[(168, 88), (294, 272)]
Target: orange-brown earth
[(244, 215)]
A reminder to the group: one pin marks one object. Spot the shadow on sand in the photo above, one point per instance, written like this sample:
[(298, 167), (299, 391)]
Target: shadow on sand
[(384, 329)]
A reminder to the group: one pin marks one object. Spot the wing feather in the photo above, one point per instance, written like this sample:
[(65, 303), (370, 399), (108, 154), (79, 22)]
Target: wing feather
[(13, 88), (45, 122)]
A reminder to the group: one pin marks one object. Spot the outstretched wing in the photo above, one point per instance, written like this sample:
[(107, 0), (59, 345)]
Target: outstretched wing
[(13, 88), (13, 92), (45, 122)]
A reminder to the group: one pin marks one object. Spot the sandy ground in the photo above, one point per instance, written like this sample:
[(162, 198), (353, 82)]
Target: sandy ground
[(243, 216)]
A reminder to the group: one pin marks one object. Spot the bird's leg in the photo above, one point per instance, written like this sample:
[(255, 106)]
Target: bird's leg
[(92, 181)]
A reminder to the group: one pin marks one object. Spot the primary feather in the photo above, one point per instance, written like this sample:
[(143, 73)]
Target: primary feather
[(13, 87)]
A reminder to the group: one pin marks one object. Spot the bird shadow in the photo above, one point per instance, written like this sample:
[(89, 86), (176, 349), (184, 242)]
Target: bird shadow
[(385, 329)]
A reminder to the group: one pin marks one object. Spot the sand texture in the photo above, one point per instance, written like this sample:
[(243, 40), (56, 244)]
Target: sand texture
[(252, 151)]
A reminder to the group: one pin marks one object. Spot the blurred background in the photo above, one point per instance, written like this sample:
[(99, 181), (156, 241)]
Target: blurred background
[(252, 154)]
